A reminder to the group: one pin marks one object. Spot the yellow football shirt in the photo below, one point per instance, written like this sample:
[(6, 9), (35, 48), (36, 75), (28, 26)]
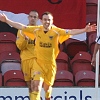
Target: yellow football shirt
[(26, 47), (47, 43)]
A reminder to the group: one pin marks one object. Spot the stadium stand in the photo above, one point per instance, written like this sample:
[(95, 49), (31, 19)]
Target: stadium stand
[(7, 42), (91, 18), (74, 49), (62, 61), (85, 78), (62, 46), (62, 66), (9, 61), (73, 46), (62, 57), (81, 62), (63, 78), (14, 78), (91, 6)]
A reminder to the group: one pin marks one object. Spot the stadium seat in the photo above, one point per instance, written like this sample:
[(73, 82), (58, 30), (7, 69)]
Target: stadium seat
[(85, 78), (91, 18), (62, 46), (92, 1), (91, 6), (62, 66), (73, 46), (7, 42), (6, 66), (62, 57), (9, 61), (63, 78), (62, 61), (14, 78), (0, 79), (7, 36), (91, 42), (81, 61)]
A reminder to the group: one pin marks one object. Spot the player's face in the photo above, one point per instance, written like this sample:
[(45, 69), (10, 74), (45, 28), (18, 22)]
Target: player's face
[(33, 18), (47, 21)]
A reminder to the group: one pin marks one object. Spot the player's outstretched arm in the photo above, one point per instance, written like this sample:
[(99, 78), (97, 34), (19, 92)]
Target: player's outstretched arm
[(88, 28), (17, 25), (96, 48)]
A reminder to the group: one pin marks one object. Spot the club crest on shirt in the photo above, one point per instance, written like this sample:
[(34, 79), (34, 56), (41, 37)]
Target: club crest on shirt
[(51, 37)]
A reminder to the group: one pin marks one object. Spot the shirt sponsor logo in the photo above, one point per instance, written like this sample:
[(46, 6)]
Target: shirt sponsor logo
[(45, 45), (31, 42)]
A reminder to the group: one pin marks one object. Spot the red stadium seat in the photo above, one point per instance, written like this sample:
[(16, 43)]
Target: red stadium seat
[(62, 66), (85, 78), (9, 56), (91, 18), (7, 47), (62, 57), (62, 61), (14, 78), (0, 79), (62, 46), (91, 6), (91, 42), (81, 61), (7, 42), (6, 66), (7, 36), (9, 61), (73, 46), (63, 78), (92, 1)]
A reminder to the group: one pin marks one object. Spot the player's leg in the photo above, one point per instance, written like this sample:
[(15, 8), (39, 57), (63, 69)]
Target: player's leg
[(26, 69), (48, 91), (36, 89), (29, 86), (49, 80), (37, 81)]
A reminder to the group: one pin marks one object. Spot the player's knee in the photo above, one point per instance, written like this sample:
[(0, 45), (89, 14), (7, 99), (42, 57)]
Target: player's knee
[(36, 86)]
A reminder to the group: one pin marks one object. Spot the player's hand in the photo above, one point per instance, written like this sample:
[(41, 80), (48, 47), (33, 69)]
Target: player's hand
[(90, 28), (3, 17), (93, 62)]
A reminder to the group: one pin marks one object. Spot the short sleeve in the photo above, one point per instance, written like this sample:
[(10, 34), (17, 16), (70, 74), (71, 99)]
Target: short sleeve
[(64, 35)]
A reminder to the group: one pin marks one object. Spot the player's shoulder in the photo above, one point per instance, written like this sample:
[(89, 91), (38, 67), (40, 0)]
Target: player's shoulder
[(38, 27), (56, 28)]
